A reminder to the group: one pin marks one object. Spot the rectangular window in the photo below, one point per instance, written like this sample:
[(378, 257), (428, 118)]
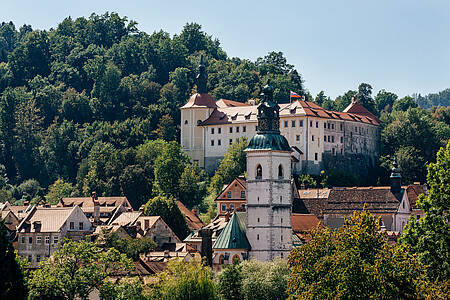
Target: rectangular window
[(332, 126), (38, 258), (297, 138), (38, 240), (317, 124), (231, 206), (219, 130), (341, 127), (312, 138), (332, 138), (30, 240), (324, 138), (242, 194), (229, 194), (71, 225), (301, 123), (356, 129), (342, 151), (310, 123), (342, 139), (23, 240), (224, 207), (219, 142), (328, 125), (231, 141), (293, 123), (146, 224), (325, 125), (231, 129), (212, 142), (244, 128), (47, 240), (237, 129), (333, 151), (30, 258), (212, 130), (316, 156), (80, 225), (329, 140), (285, 123), (55, 240)]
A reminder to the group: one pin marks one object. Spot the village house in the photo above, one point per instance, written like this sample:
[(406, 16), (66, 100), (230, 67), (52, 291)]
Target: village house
[(191, 216), (44, 228), (99, 210), (233, 197)]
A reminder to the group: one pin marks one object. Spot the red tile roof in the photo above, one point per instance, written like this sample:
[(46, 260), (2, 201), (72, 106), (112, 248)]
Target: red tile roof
[(200, 100), (413, 191), (194, 222), (358, 109), (229, 103), (304, 222)]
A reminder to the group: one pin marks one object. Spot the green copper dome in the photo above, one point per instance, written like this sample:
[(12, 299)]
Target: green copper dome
[(269, 141)]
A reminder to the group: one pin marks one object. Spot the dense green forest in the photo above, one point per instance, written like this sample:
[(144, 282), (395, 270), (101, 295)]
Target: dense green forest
[(93, 105)]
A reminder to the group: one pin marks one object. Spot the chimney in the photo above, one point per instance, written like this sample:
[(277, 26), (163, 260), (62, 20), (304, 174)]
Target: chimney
[(396, 178), (195, 211), (96, 208), (206, 250), (37, 226)]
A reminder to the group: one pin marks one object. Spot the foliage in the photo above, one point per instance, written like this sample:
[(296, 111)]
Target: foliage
[(192, 185), (131, 247), (58, 190), (307, 181), (264, 280), (229, 281), (75, 270), (232, 165), (12, 283), (429, 237), (354, 262), (125, 289), (404, 104), (167, 209), (185, 280)]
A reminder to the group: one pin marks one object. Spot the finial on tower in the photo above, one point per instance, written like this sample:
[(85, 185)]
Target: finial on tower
[(202, 78), (396, 178)]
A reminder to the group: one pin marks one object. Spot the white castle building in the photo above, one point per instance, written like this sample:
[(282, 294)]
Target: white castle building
[(208, 127)]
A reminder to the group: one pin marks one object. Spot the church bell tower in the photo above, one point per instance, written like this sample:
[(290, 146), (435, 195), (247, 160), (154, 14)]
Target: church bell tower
[(269, 192)]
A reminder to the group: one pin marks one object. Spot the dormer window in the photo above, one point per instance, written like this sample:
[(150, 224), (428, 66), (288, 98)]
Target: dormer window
[(258, 172)]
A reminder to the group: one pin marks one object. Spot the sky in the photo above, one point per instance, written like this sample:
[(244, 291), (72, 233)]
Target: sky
[(402, 46)]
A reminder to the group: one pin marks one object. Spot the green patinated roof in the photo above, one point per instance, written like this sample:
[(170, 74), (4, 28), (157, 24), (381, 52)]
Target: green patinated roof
[(233, 235), (269, 141)]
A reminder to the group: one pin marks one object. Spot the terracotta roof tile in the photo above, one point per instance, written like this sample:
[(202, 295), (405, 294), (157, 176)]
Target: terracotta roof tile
[(200, 100), (304, 222), (229, 103), (194, 222)]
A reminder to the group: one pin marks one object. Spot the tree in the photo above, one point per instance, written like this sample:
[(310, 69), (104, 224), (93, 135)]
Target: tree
[(58, 190), (166, 130), (185, 280), (131, 247), (307, 181), (232, 165), (428, 237), (167, 209), (12, 283), (404, 104), (229, 281), (125, 289), (75, 270), (364, 97), (192, 185), (385, 100), (354, 262), (343, 101)]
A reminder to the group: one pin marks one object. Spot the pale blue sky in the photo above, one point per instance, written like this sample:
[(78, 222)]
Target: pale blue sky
[(400, 45)]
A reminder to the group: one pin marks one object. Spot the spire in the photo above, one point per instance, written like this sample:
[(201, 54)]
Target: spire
[(268, 112), (396, 178), (202, 78)]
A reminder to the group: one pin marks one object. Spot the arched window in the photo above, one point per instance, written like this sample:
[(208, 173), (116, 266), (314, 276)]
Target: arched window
[(280, 171), (221, 259), (185, 122), (236, 258), (258, 172)]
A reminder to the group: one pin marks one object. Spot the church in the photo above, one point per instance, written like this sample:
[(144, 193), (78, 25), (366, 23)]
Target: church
[(318, 137)]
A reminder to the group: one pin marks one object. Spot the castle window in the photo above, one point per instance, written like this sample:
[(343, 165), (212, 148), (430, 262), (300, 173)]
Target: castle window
[(285, 123), (297, 138), (281, 199), (312, 138), (212, 142), (229, 194), (224, 207), (316, 156), (329, 140), (324, 138), (293, 123), (301, 123), (30, 240), (341, 127), (310, 123), (342, 139), (237, 129), (212, 130), (317, 124), (332, 126), (280, 171), (258, 220), (242, 194), (219, 130), (328, 125), (258, 172), (257, 237), (231, 141), (231, 129), (342, 151), (332, 138), (281, 237), (244, 128), (325, 125), (219, 142), (185, 122), (333, 151), (281, 221)]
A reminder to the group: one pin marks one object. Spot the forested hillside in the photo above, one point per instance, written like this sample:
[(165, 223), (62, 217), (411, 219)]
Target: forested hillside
[(93, 105)]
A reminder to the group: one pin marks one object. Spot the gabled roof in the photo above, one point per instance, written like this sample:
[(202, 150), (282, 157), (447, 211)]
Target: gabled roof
[(51, 219), (194, 222), (233, 235), (358, 109), (238, 180), (200, 100), (413, 191), (229, 103), (88, 202), (304, 222), (126, 218)]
